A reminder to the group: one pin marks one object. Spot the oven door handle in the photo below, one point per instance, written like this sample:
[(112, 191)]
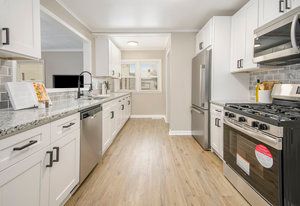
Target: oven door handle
[(273, 142), (293, 32)]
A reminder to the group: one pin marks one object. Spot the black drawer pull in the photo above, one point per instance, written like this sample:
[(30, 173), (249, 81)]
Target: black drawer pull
[(51, 159), (69, 125), (112, 114), (31, 142), (57, 154), (6, 36), (128, 102), (123, 107)]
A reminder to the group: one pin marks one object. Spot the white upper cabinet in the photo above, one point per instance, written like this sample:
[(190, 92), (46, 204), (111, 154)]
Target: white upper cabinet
[(204, 37), (244, 22), (271, 9), (108, 58), (20, 34)]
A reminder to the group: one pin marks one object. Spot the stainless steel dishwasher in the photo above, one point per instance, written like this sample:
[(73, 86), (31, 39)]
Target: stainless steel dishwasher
[(90, 140)]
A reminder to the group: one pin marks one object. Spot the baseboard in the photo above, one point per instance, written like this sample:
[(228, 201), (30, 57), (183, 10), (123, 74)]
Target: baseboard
[(180, 133), (148, 117)]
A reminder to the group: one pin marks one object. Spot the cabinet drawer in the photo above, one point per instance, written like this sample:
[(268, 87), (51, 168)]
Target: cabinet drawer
[(64, 126), (17, 147)]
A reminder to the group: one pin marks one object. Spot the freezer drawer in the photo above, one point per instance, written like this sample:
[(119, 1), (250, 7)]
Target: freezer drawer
[(200, 127)]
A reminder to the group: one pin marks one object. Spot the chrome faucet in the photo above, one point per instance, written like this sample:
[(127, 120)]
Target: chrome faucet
[(79, 94)]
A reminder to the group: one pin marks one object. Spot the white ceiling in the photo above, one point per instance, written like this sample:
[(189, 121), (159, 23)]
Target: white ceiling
[(145, 41), (148, 15), (55, 36)]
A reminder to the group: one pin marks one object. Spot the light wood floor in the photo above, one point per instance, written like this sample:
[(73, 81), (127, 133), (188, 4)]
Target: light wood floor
[(147, 167)]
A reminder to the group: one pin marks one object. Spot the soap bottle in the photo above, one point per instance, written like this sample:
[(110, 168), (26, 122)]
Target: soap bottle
[(257, 90)]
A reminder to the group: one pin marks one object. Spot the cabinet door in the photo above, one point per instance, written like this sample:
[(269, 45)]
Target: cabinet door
[(22, 18), (238, 39), (199, 42), (251, 15), (214, 132), (270, 9), (26, 182), (106, 130), (64, 175), (207, 34), (294, 3)]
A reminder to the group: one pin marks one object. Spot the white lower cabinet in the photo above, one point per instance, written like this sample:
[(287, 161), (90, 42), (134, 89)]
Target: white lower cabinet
[(64, 174), (216, 129), (27, 182), (45, 177), (115, 115)]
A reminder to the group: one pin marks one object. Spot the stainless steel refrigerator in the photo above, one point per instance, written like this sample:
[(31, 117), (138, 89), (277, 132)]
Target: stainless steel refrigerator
[(201, 68)]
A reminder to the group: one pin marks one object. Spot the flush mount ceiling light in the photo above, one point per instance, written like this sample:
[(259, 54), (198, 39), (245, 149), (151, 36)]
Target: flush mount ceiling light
[(133, 43)]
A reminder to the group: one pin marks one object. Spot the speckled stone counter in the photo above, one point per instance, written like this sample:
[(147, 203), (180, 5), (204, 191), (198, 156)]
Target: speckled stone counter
[(13, 122), (223, 102)]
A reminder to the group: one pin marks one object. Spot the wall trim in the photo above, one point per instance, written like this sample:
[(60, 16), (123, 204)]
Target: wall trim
[(180, 132), (155, 116)]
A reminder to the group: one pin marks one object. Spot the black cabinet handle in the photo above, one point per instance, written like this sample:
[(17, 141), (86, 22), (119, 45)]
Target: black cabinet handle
[(128, 102), (69, 125), (238, 63), (112, 114), (7, 42), (281, 5), (241, 63), (288, 4), (57, 154), (123, 107), (216, 122), (113, 72), (51, 159), (31, 142), (201, 46)]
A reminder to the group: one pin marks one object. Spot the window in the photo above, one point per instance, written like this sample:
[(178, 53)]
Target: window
[(141, 75)]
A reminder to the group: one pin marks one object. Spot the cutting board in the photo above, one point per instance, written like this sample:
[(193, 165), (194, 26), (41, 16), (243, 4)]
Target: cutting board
[(22, 95)]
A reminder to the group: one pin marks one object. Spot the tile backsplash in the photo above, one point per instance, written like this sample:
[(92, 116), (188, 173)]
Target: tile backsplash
[(6, 75), (287, 75)]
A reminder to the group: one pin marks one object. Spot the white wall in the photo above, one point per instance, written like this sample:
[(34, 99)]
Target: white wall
[(61, 63), (182, 52), (148, 103)]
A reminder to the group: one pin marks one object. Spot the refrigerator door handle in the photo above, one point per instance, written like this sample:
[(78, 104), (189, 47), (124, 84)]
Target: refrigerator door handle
[(202, 85)]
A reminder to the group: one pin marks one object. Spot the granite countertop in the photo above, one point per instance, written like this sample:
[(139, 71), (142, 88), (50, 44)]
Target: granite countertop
[(223, 102), (13, 122)]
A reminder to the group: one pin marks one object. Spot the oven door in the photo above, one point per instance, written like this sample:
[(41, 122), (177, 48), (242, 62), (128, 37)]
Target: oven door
[(255, 161)]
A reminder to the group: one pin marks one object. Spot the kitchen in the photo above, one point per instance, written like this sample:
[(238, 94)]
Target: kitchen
[(137, 105)]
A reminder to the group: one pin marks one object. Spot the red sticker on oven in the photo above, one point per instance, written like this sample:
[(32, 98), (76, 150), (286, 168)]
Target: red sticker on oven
[(264, 156)]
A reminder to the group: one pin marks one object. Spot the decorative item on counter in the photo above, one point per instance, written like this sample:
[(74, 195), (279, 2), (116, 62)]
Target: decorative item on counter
[(106, 90), (42, 95), (264, 90), (22, 95), (256, 90)]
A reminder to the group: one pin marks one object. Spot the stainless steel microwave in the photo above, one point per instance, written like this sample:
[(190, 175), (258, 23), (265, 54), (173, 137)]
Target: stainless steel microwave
[(277, 42)]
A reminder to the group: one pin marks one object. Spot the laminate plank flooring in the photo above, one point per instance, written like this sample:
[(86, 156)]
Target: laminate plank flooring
[(147, 167)]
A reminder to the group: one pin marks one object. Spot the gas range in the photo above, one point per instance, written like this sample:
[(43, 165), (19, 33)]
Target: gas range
[(261, 147)]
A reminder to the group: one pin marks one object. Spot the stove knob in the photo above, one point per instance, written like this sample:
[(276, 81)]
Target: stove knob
[(242, 119), (231, 115), (255, 124), (226, 114), (263, 127)]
